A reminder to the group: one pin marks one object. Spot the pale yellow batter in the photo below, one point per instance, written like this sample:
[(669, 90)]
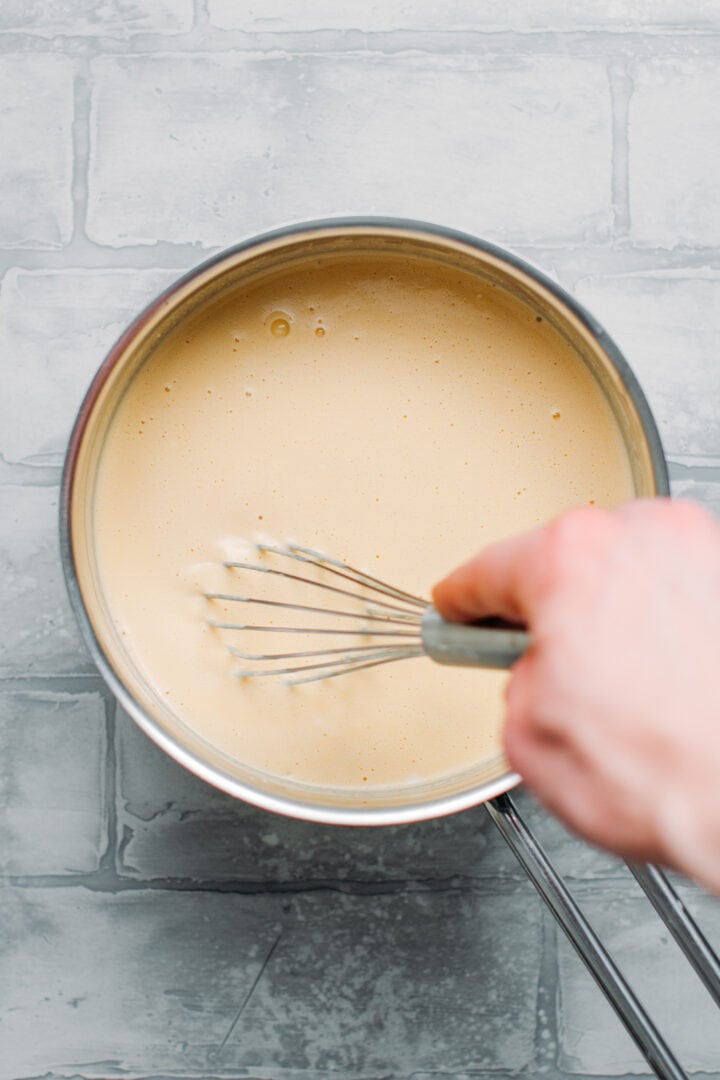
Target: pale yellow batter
[(391, 413)]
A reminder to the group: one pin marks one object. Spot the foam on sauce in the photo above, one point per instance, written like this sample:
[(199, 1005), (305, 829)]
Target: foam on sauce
[(393, 413)]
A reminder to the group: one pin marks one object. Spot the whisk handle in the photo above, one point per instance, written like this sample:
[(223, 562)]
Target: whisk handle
[(490, 643)]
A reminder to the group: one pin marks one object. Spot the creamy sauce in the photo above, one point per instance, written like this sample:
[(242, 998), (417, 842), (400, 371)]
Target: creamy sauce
[(393, 414)]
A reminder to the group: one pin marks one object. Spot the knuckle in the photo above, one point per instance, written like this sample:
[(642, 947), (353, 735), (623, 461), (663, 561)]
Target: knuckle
[(690, 527), (681, 514), (688, 516), (570, 538)]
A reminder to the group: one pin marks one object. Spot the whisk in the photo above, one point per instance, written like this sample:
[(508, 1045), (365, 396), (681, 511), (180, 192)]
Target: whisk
[(387, 624)]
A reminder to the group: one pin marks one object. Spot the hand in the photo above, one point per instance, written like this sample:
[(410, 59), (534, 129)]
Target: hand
[(613, 715)]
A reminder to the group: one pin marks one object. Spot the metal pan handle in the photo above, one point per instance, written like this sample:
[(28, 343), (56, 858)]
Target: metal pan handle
[(554, 892), (681, 925)]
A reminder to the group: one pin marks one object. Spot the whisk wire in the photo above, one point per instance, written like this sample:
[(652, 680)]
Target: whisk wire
[(218, 625), (358, 650), (341, 569), (320, 585), (398, 628), (363, 615), (324, 670)]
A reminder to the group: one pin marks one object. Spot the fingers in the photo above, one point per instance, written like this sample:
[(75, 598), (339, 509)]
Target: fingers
[(570, 790), (497, 581), (512, 578), (582, 719), (566, 780)]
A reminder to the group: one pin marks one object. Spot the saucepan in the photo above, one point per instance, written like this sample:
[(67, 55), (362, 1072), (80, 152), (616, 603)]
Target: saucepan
[(491, 781)]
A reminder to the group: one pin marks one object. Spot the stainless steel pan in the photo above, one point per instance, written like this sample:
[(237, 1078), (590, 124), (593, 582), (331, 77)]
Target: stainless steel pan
[(488, 783)]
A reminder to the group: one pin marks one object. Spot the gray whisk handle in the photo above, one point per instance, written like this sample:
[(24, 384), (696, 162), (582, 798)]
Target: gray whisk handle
[(489, 644)]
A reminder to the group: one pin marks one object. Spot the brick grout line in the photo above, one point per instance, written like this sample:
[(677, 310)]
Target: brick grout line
[(620, 92), (107, 881), (202, 17), (81, 148), (585, 43), (17, 474), (546, 1008), (76, 684), (706, 470), (530, 1072), (511, 884), (108, 860), (85, 254)]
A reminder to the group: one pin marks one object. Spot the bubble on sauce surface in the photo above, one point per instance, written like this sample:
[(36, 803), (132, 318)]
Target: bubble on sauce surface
[(280, 327)]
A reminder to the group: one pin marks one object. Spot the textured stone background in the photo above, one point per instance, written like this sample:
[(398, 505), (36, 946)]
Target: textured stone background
[(150, 926)]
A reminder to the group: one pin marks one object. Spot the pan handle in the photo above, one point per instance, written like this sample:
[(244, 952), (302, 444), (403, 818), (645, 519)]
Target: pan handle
[(554, 892), (681, 925)]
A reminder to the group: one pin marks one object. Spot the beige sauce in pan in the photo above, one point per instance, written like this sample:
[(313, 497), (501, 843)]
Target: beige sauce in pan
[(394, 414)]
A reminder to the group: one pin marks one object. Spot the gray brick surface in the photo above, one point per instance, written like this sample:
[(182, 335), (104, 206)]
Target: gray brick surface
[(574, 859), (686, 485), (38, 633), (673, 138), (55, 329), (153, 983), (523, 16), (177, 826), (668, 326), (48, 18), (136, 919), (592, 1040), (36, 163), (52, 768), (420, 136)]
